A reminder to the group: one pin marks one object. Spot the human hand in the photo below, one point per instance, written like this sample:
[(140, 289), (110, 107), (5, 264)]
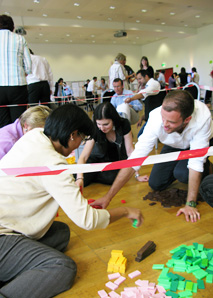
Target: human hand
[(191, 213), (139, 123), (80, 184), (144, 178), (103, 202), (128, 100), (134, 213)]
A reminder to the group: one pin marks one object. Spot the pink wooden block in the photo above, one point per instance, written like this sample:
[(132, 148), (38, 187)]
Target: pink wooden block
[(114, 295), (151, 285), (111, 285), (159, 295), (160, 289), (134, 274), (119, 280), (114, 275), (102, 294), (128, 294)]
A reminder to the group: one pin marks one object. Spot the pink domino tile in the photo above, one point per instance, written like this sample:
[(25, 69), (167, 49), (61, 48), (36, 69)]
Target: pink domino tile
[(134, 274), (102, 294), (160, 289), (160, 295), (114, 295), (114, 275), (119, 280), (141, 283), (111, 285), (151, 285), (128, 294)]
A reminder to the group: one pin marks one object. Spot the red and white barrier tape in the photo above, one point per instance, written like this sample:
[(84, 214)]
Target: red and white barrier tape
[(96, 98), (98, 167)]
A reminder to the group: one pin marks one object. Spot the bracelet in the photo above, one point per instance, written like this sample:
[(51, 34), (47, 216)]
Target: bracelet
[(79, 178), (136, 176)]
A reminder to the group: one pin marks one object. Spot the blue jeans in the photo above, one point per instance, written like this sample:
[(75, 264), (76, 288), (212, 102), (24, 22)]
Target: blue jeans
[(30, 268)]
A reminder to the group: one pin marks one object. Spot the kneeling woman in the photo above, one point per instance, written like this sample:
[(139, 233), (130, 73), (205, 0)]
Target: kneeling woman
[(112, 142)]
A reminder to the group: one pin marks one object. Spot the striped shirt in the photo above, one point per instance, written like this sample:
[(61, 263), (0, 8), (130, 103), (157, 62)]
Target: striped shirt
[(15, 60)]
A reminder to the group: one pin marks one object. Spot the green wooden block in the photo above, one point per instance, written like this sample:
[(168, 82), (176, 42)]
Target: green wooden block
[(180, 277), (189, 253), (165, 284), (181, 285), (191, 269), (158, 266), (179, 269), (203, 255), (194, 290), (185, 294), (209, 278), (174, 286), (173, 295), (209, 256), (209, 271), (200, 274), (200, 284), (195, 244), (189, 286), (172, 276), (200, 247)]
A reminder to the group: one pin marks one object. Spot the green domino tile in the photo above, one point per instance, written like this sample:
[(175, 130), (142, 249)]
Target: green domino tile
[(172, 276), (191, 269), (200, 284), (194, 290), (178, 269), (174, 286), (181, 285), (189, 253), (185, 294), (158, 266), (173, 295), (165, 284), (181, 278), (189, 286), (200, 274), (209, 271), (195, 244), (209, 256), (200, 247), (209, 278)]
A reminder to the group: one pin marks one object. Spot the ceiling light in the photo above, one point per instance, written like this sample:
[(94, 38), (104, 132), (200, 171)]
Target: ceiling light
[(36, 1), (143, 10), (76, 4), (92, 35), (137, 37), (112, 7), (7, 13), (172, 13), (67, 35), (158, 30), (70, 40), (181, 32), (46, 40), (109, 19), (163, 23), (93, 41), (138, 21), (79, 17), (44, 15), (40, 34), (197, 16), (186, 25)]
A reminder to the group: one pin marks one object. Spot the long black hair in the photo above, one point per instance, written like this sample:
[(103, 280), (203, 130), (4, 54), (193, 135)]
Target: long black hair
[(66, 119)]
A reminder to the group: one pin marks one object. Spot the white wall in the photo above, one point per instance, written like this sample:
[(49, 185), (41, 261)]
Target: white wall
[(194, 51), (81, 62)]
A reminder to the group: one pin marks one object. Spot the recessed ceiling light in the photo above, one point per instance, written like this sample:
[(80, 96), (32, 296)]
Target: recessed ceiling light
[(163, 23), (143, 10), (172, 13), (181, 32), (186, 25), (79, 17), (67, 35), (46, 40), (158, 30), (70, 40), (198, 16), (7, 13), (92, 35), (112, 7), (109, 19), (93, 41), (76, 4), (40, 34), (44, 15), (36, 1), (138, 21), (137, 37)]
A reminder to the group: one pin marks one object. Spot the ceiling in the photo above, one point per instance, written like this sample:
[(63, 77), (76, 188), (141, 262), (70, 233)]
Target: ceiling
[(94, 22)]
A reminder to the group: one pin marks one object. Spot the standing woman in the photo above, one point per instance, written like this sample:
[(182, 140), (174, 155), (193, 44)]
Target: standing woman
[(144, 64), (112, 142)]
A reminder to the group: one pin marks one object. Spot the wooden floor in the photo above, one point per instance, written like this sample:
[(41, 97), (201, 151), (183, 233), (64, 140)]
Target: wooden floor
[(91, 249)]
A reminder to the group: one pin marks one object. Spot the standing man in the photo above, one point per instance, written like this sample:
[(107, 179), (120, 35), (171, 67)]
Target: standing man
[(92, 92), (181, 123), (161, 79), (195, 76), (129, 111), (40, 81), (15, 63)]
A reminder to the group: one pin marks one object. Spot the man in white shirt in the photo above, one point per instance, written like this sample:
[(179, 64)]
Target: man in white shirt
[(128, 111), (40, 81), (92, 92), (151, 86), (161, 79), (181, 123)]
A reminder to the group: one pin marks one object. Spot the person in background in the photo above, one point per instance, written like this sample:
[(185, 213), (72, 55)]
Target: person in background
[(84, 87), (194, 77), (172, 81), (15, 64), (11, 133), (112, 142), (59, 91), (40, 81), (161, 79), (92, 92), (31, 241), (183, 77), (103, 86), (156, 75), (144, 64), (68, 92)]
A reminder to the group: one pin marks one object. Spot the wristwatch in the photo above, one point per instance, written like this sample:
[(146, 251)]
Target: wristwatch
[(191, 204)]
